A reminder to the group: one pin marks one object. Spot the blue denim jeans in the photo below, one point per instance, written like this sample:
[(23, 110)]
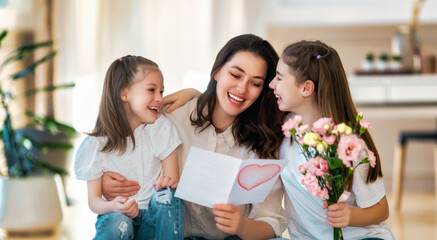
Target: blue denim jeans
[(163, 220), (232, 237)]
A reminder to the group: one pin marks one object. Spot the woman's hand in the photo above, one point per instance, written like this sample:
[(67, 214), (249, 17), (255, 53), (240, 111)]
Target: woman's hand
[(114, 184), (164, 181), (228, 218), (179, 98), (338, 215), (129, 209)]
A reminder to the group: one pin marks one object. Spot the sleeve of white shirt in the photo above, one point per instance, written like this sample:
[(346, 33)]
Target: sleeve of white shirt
[(367, 194), (271, 211), (89, 161), (164, 138)]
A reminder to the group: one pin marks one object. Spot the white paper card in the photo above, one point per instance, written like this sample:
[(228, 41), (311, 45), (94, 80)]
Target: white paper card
[(209, 178)]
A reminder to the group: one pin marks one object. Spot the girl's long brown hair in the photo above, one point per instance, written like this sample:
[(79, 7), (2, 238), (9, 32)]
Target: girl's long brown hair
[(112, 122), (316, 61), (259, 126)]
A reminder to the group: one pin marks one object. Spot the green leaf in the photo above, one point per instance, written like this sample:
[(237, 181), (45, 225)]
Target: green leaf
[(23, 52), (14, 162), (48, 89), (29, 143), (2, 36), (31, 68), (51, 124), (334, 162), (46, 167), (16, 57), (33, 46), (365, 160)]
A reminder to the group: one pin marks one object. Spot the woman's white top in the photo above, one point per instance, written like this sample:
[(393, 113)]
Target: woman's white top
[(199, 219), (153, 143), (305, 213)]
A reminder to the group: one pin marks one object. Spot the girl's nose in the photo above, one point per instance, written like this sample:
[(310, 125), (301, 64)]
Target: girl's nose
[(158, 98), (272, 83)]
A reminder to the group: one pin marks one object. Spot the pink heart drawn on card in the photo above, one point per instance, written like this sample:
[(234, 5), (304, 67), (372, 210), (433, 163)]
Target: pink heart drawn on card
[(253, 175)]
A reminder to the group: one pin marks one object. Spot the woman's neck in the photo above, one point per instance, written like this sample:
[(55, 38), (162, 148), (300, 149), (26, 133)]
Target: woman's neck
[(221, 121)]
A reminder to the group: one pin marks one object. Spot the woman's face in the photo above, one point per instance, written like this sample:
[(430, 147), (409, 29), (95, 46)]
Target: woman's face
[(286, 88), (239, 83)]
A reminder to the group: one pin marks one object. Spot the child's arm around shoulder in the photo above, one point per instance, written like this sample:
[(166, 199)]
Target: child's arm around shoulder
[(342, 215), (166, 152)]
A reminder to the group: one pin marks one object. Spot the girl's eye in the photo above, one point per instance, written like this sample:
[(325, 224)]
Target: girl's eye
[(151, 90), (161, 92)]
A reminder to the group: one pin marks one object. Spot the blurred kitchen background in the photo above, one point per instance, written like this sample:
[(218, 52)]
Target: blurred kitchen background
[(388, 49)]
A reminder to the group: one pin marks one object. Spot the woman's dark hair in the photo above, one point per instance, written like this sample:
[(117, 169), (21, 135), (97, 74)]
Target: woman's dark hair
[(259, 126), (112, 122), (316, 61)]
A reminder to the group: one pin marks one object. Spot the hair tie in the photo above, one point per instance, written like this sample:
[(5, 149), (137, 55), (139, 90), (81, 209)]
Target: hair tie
[(318, 57), (120, 59)]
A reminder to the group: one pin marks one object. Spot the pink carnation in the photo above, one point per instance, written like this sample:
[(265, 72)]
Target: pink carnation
[(313, 188), (287, 126), (329, 139), (318, 166), (290, 124), (323, 194), (372, 158), (300, 141), (319, 126), (301, 168), (309, 179), (328, 185), (301, 129), (365, 124), (349, 148)]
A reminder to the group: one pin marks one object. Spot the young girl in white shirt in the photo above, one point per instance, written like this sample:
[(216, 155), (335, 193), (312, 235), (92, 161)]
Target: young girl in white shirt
[(130, 138), (310, 81)]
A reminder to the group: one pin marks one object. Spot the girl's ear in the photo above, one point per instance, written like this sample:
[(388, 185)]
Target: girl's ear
[(308, 88), (123, 95)]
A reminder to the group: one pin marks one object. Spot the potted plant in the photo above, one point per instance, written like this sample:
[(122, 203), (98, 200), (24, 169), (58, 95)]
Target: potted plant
[(396, 62), (31, 194), (382, 62), (367, 63)]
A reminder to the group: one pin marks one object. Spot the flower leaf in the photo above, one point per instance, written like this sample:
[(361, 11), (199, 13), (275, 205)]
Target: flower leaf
[(334, 162), (31, 68), (2, 36)]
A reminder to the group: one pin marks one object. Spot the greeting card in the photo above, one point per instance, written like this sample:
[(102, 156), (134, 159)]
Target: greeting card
[(209, 178)]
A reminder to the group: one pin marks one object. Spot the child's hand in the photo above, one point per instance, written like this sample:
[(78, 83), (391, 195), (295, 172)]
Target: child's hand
[(228, 218), (164, 181), (179, 98), (338, 215), (130, 209)]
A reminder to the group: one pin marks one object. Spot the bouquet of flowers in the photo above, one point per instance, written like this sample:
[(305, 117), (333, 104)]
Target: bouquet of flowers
[(333, 153)]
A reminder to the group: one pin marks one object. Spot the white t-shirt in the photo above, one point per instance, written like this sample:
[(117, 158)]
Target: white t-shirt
[(305, 213), (153, 143), (199, 220)]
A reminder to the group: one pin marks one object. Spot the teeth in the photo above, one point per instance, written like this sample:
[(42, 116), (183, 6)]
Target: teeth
[(153, 108), (277, 96), (235, 97)]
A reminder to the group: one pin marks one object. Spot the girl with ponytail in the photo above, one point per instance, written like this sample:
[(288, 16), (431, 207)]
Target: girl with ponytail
[(310, 81)]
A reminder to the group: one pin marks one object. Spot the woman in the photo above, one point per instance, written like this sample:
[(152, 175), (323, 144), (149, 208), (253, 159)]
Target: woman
[(230, 117)]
